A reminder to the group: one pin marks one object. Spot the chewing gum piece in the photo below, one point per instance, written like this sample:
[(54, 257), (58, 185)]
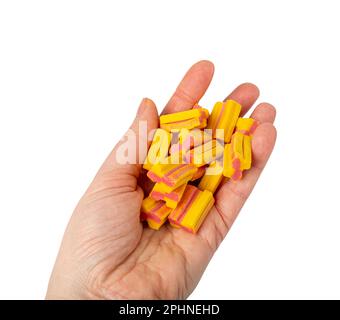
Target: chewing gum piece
[(212, 177), (237, 156), (188, 139), (192, 209), (199, 173), (171, 199), (224, 116), (205, 154), (171, 175), (194, 118), (158, 149), (154, 212), (246, 126)]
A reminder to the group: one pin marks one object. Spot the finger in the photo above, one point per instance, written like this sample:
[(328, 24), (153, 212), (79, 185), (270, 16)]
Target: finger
[(232, 195), (120, 171), (131, 151), (192, 87), (264, 112), (245, 94)]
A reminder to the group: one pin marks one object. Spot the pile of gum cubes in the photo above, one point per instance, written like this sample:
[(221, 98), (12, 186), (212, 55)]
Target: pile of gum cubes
[(190, 155)]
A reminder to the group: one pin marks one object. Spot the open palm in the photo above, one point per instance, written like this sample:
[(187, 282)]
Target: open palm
[(106, 252)]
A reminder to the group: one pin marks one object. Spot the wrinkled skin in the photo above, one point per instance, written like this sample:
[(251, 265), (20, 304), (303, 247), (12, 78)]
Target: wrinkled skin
[(106, 253)]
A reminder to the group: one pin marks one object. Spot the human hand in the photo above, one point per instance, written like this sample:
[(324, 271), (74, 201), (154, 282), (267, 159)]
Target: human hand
[(107, 254)]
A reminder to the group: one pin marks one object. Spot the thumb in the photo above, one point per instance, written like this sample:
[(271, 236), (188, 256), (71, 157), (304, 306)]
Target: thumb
[(124, 161)]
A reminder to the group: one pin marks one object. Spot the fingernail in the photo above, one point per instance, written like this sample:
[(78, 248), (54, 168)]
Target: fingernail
[(143, 105)]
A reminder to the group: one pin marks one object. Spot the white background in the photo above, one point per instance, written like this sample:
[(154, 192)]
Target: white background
[(72, 74)]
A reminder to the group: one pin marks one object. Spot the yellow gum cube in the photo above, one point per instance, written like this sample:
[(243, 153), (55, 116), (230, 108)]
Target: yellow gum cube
[(171, 198), (224, 116), (246, 126), (189, 119), (171, 175), (237, 156), (187, 139), (205, 154), (154, 212), (241, 149), (192, 209), (212, 177), (158, 149), (199, 173)]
